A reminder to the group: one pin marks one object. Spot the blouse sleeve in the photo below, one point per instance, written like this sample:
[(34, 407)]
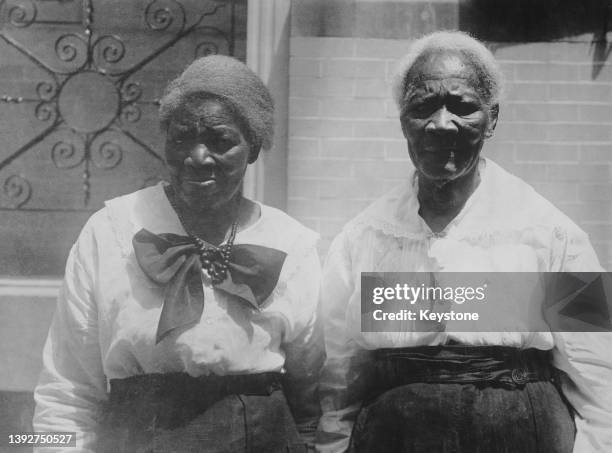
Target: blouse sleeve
[(341, 381), (305, 350), (585, 359), (72, 382)]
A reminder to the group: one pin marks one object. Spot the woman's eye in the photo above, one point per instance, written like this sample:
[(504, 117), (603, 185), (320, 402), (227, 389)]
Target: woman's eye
[(462, 108), (182, 136), (421, 109), (224, 143), (217, 142)]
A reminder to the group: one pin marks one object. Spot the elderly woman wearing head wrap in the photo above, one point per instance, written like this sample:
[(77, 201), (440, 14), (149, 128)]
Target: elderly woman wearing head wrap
[(193, 305), (431, 387)]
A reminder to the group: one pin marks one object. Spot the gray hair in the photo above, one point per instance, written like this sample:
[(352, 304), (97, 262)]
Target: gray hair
[(481, 58)]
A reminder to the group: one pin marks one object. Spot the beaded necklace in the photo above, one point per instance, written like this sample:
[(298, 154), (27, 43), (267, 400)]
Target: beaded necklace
[(214, 259)]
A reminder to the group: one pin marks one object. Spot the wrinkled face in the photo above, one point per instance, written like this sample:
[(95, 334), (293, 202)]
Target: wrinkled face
[(444, 119), (207, 152)]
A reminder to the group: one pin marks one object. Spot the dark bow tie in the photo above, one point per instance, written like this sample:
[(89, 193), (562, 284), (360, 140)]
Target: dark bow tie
[(174, 261)]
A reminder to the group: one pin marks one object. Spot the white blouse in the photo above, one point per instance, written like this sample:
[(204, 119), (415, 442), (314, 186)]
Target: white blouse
[(505, 226), (107, 314)]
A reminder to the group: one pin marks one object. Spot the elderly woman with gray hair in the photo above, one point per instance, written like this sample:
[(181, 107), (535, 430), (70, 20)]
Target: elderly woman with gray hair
[(187, 318), (517, 385)]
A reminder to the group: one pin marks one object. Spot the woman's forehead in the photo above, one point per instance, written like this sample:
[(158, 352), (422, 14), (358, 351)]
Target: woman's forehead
[(441, 87), (443, 64), (207, 109)]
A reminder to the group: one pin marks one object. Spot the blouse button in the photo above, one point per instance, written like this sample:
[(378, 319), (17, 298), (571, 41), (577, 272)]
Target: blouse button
[(208, 321)]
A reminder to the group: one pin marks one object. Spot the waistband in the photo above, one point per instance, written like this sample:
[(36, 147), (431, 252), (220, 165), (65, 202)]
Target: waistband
[(455, 363), (183, 385), (168, 398)]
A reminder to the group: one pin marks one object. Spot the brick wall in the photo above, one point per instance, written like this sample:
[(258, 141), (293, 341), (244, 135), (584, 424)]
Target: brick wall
[(346, 147), (556, 130)]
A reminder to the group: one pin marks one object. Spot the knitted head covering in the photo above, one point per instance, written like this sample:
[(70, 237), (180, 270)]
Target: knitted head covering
[(231, 80)]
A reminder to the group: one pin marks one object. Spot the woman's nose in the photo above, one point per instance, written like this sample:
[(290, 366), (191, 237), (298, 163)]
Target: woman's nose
[(199, 156), (441, 121)]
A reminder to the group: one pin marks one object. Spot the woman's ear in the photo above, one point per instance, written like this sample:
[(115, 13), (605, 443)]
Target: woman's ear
[(403, 124), (493, 114)]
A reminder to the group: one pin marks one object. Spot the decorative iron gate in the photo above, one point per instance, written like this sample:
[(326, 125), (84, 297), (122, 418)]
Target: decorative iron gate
[(79, 87)]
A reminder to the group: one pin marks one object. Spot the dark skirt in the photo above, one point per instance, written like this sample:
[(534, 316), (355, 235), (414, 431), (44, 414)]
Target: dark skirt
[(178, 413), (499, 401)]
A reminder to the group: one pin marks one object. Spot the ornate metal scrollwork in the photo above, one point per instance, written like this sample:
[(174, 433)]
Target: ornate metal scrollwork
[(67, 155), (68, 47), (210, 47), (162, 14), (17, 190), (131, 92), (131, 113), (110, 155), (91, 59), (206, 48), (46, 111), (111, 50), (21, 14), (106, 152), (46, 91)]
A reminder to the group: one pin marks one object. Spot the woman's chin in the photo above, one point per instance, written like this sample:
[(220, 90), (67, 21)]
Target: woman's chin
[(200, 195)]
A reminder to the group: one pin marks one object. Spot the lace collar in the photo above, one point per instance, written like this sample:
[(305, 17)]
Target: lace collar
[(396, 213)]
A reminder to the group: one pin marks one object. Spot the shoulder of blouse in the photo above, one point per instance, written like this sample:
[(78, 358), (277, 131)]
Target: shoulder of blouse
[(520, 206), (393, 214), (287, 232), (149, 208), (504, 203), (280, 222), (129, 213)]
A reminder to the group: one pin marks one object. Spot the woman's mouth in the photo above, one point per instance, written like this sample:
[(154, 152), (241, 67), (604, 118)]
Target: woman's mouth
[(204, 183), (201, 183), (450, 163)]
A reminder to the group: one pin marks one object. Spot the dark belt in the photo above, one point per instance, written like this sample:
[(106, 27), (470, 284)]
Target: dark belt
[(170, 399), (455, 363)]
